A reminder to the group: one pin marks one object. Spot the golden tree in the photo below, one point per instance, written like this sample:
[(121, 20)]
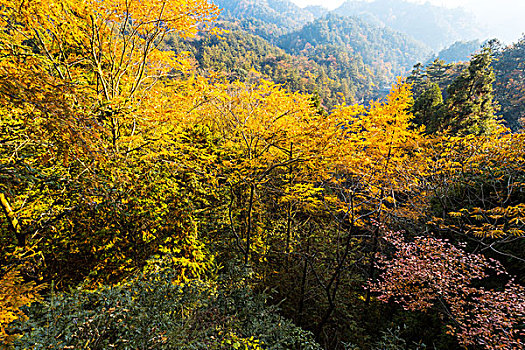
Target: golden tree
[(85, 90)]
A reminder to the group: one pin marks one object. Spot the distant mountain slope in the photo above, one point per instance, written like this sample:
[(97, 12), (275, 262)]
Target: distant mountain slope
[(435, 26), (460, 51), (387, 52), (317, 11), (283, 15), (322, 36)]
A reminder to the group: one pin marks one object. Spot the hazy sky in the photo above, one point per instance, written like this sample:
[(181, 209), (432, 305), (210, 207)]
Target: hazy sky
[(505, 19)]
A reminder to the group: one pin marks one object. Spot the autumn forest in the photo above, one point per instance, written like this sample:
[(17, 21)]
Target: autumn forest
[(175, 177)]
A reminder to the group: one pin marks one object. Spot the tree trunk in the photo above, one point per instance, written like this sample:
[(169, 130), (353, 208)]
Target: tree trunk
[(249, 228), (13, 221)]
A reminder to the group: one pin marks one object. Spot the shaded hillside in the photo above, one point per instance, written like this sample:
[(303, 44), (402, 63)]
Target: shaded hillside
[(435, 26), (387, 53)]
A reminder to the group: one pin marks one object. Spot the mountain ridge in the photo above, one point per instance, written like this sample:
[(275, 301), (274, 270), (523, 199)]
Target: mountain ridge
[(433, 25)]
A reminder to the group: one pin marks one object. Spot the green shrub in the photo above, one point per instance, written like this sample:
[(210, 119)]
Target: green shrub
[(152, 312)]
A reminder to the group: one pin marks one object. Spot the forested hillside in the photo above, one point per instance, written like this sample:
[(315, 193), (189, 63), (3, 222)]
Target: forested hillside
[(160, 191), (282, 13), (460, 51), (335, 58), (389, 54), (236, 54), (267, 18)]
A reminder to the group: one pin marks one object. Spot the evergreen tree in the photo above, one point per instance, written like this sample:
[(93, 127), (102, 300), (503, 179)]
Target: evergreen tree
[(440, 72), (418, 78), (470, 97), (428, 109)]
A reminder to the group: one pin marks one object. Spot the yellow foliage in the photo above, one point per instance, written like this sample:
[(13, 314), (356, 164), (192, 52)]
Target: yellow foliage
[(379, 149), (486, 169), (233, 341)]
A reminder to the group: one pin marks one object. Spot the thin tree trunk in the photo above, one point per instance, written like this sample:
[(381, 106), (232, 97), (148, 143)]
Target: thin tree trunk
[(289, 211), (249, 228), (13, 220), (303, 280), (371, 267)]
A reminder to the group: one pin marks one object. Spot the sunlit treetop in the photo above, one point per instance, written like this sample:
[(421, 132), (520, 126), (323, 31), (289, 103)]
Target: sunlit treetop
[(140, 16)]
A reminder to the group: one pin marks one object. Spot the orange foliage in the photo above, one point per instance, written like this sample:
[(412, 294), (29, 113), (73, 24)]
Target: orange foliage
[(14, 293)]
